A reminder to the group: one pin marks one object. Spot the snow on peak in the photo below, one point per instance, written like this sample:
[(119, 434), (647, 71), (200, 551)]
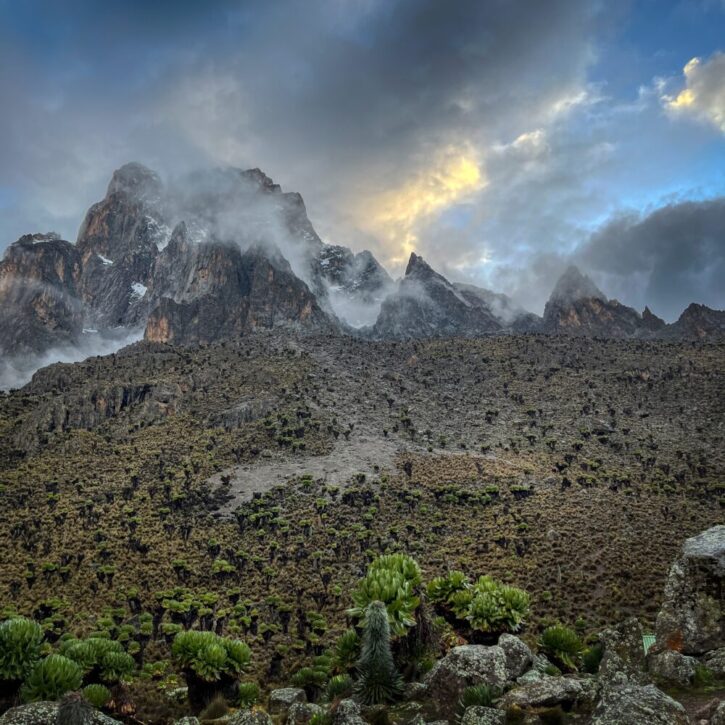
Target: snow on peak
[(138, 290)]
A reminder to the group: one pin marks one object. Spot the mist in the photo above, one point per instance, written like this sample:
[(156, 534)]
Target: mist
[(16, 371)]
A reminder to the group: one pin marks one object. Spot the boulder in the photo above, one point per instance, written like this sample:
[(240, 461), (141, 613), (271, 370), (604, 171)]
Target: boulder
[(187, 721), (483, 716), (715, 662), (463, 667), (45, 713), (623, 652), (550, 692), (718, 717), (519, 657), (347, 712), (281, 700), (632, 704), (691, 618), (302, 712), (249, 717), (672, 668)]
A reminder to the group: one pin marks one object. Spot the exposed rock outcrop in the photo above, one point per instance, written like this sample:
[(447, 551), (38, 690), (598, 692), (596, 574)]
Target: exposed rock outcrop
[(631, 704), (426, 304), (691, 619), (623, 652), (39, 295), (46, 713), (568, 692)]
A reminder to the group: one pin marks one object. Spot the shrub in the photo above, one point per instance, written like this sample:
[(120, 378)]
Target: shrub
[(248, 694), (488, 605), (562, 645), (98, 695), (20, 642), (210, 663), (477, 695), (390, 579), (51, 678), (347, 650), (379, 681), (99, 658), (339, 687), (210, 656), (592, 658)]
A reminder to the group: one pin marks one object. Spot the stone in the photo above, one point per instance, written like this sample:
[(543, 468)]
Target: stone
[(347, 712), (302, 712), (464, 667), (414, 691), (46, 713), (672, 668), (715, 662), (718, 717), (281, 700), (623, 652), (519, 657), (249, 717), (550, 692), (187, 721), (691, 618), (633, 704), (483, 716)]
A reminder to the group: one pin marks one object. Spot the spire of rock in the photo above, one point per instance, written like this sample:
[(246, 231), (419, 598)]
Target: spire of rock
[(573, 286)]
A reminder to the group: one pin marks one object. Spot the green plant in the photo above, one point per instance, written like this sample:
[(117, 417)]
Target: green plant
[(392, 580), (477, 695), (98, 695), (591, 658), (339, 687), (703, 676), (20, 643), (441, 588), (379, 681), (248, 694), (51, 678), (347, 649), (208, 655), (99, 658), (562, 645)]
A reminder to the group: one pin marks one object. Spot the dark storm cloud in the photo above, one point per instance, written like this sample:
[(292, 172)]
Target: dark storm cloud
[(668, 258), (332, 98)]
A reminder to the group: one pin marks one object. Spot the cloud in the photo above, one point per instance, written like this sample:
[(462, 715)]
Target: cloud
[(666, 259), (703, 96)]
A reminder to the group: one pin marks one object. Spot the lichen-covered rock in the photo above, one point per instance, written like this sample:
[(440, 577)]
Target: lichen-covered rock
[(302, 712), (632, 704), (249, 717), (483, 716), (187, 721), (463, 667), (347, 713), (552, 691), (691, 618), (623, 652), (281, 700), (519, 657), (46, 713), (718, 717), (672, 668), (715, 662)]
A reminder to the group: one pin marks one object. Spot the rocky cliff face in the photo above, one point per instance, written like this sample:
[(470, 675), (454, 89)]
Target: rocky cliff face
[(217, 291), (578, 307), (697, 322), (426, 304), (39, 305)]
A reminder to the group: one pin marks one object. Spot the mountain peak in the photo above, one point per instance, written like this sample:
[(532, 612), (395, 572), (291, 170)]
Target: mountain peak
[(573, 285), (134, 179), (417, 266)]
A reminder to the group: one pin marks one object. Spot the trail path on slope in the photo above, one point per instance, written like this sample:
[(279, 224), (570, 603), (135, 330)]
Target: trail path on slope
[(361, 454)]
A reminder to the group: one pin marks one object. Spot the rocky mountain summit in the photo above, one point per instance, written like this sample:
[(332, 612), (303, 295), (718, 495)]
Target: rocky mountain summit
[(220, 253)]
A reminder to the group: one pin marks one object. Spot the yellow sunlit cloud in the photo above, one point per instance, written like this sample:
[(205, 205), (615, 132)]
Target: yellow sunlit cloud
[(397, 214), (704, 93)]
